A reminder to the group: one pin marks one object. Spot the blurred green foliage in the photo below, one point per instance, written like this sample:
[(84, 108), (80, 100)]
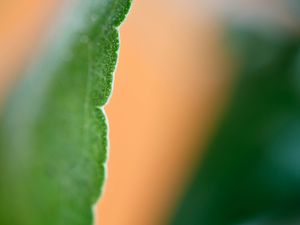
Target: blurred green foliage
[(53, 132), (250, 172)]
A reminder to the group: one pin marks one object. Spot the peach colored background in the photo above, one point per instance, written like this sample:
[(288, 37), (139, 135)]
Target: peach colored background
[(21, 26), (170, 80), (169, 85)]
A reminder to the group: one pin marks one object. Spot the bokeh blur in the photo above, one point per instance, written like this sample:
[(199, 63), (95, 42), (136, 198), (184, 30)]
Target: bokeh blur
[(204, 116), (171, 79)]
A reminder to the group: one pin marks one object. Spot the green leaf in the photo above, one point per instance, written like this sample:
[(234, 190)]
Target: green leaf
[(250, 173), (53, 131)]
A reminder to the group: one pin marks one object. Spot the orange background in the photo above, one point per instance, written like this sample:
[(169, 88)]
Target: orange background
[(169, 85), (169, 82)]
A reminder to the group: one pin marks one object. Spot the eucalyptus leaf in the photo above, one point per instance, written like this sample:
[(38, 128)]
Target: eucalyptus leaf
[(53, 131)]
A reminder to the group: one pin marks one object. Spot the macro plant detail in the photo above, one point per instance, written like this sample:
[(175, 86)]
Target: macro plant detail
[(53, 131)]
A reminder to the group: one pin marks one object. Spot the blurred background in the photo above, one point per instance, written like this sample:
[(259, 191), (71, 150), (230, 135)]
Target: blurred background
[(204, 115)]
